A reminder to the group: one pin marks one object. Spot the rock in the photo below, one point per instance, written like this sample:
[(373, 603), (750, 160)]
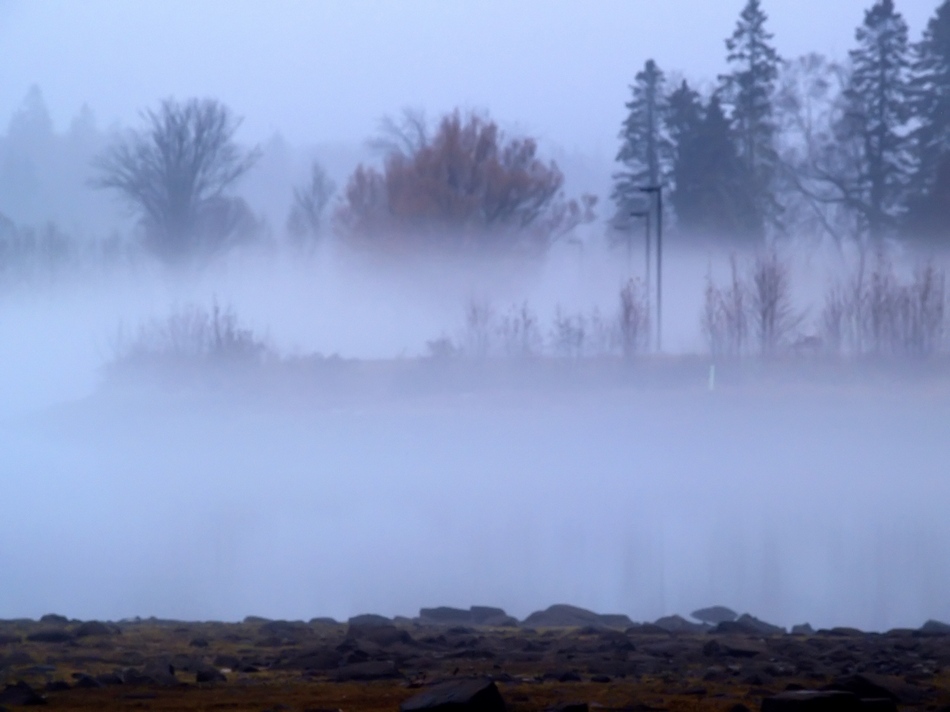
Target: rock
[(369, 619), (156, 673), (54, 619), (210, 674), (678, 624), (480, 614), (802, 629), (52, 635), (812, 701), (86, 682), (473, 695), (714, 615), (109, 678), (20, 694), (7, 639), (384, 635), (646, 629), (570, 707), (561, 615), (862, 687), (445, 615), (748, 625), (93, 628), (933, 627), (370, 670), (324, 620), (198, 642)]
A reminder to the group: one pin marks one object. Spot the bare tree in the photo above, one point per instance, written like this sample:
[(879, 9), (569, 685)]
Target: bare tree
[(774, 315), (174, 173), (305, 221)]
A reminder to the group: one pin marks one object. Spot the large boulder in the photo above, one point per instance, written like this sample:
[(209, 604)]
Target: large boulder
[(20, 694), (812, 701), (445, 615), (562, 615), (369, 619), (469, 695), (714, 615), (678, 624)]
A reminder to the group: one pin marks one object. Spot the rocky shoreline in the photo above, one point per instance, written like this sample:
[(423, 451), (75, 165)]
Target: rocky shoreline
[(560, 656)]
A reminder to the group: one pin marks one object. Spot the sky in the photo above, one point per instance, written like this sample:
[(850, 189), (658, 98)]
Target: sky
[(325, 72)]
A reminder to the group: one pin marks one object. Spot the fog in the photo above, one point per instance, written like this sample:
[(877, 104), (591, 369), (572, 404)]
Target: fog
[(795, 498), (373, 452)]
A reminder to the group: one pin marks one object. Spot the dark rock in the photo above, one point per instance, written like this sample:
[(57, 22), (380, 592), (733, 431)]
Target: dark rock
[(600, 678), (812, 701), (52, 635), (481, 614), (323, 620), (369, 619), (569, 676), (54, 619), (198, 642), (227, 661), (86, 682), (802, 629), (570, 707), (445, 615), (747, 625), (678, 624), (56, 686), (370, 670), (316, 659), (7, 639), (255, 620), (712, 649), (478, 695), (933, 627), (21, 694), (157, 673), (384, 635), (862, 687), (646, 629), (562, 615), (93, 628), (714, 614), (109, 678), (210, 674), (738, 707)]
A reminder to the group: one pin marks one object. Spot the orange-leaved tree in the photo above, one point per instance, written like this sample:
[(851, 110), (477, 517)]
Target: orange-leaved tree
[(468, 186)]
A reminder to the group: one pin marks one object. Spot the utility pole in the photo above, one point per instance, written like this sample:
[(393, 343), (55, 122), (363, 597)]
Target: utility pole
[(645, 214), (658, 190)]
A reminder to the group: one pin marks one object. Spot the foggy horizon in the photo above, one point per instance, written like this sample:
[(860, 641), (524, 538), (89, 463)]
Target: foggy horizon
[(370, 370)]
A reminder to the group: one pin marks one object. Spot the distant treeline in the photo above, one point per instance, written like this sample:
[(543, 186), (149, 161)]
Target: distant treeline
[(855, 150)]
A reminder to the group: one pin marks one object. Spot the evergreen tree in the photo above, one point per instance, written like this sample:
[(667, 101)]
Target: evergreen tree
[(748, 90), (645, 148), (710, 193), (877, 112), (929, 203)]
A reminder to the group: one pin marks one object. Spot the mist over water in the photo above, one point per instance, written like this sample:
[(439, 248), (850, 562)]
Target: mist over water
[(795, 500)]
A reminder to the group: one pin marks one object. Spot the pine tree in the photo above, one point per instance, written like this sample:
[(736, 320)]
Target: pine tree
[(877, 113), (929, 202), (645, 148), (748, 92), (710, 194)]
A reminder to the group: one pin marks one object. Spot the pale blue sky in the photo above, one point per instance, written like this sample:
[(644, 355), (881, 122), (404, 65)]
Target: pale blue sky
[(326, 71)]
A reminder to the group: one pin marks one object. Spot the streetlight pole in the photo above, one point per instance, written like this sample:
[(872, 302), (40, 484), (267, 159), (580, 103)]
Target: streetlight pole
[(658, 189)]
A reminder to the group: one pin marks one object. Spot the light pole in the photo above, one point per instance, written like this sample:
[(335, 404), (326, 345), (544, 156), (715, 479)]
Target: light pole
[(658, 190), (645, 214)]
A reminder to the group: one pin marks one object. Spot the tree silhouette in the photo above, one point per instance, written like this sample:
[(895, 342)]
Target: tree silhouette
[(748, 90), (645, 150), (468, 186), (174, 173)]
